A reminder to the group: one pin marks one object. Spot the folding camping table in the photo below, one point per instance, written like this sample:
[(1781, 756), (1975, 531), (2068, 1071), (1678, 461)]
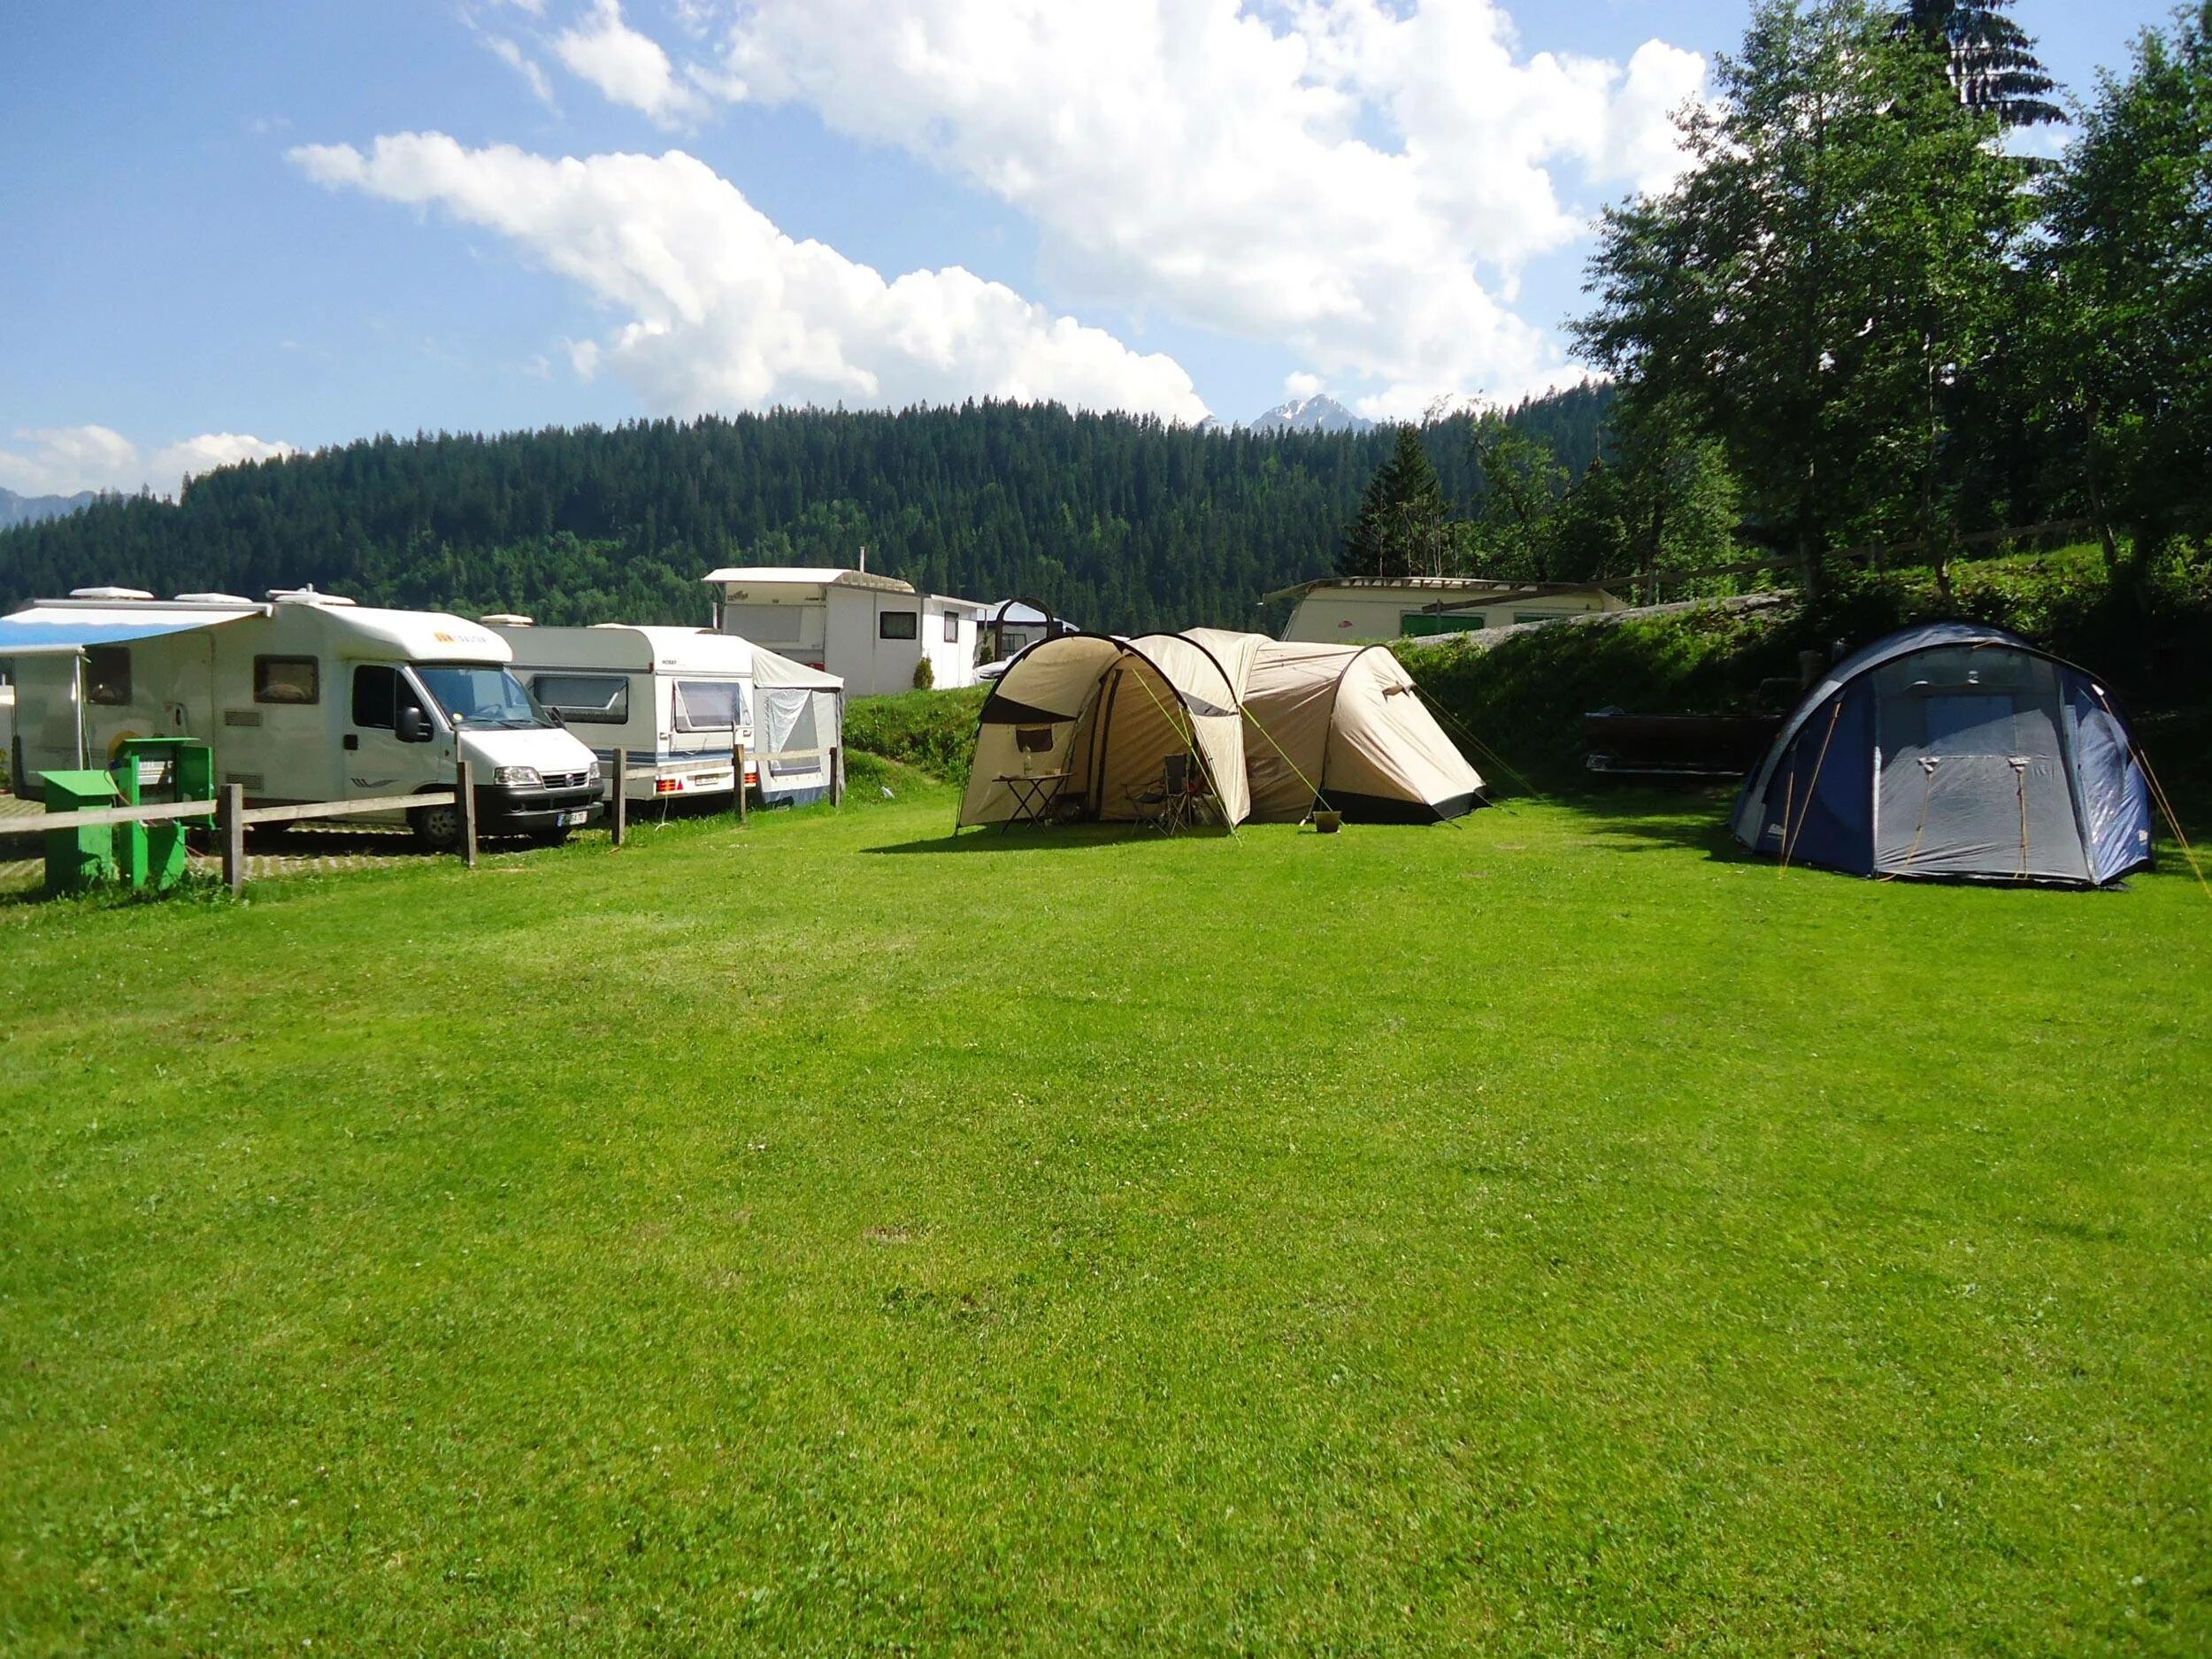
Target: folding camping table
[(1034, 794)]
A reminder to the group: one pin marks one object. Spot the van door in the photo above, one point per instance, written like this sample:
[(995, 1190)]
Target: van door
[(378, 762)]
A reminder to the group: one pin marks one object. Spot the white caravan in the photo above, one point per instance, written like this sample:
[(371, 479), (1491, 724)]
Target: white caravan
[(308, 697), (677, 698), (873, 631)]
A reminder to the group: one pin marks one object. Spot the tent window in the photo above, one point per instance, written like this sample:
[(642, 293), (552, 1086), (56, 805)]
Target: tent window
[(1033, 740), (898, 624), (586, 699), (375, 693), (107, 674), (1963, 725), (286, 679), (708, 705)]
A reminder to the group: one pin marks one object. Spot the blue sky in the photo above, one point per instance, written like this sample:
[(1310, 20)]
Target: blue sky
[(248, 224)]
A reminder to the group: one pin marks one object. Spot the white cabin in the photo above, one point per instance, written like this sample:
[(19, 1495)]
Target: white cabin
[(870, 631), (1337, 609), (678, 699)]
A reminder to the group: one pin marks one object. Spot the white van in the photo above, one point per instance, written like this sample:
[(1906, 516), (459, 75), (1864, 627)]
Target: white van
[(308, 697), (677, 698)]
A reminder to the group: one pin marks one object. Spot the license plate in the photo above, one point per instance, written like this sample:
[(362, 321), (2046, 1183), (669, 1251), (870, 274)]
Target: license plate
[(577, 817)]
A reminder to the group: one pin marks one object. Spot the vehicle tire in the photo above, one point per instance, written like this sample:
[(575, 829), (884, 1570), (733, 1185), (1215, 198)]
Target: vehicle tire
[(437, 828)]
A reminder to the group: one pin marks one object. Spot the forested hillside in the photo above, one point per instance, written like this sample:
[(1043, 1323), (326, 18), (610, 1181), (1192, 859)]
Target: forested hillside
[(1122, 523)]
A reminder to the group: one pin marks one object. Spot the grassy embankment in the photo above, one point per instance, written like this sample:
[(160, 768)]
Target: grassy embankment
[(1550, 1235)]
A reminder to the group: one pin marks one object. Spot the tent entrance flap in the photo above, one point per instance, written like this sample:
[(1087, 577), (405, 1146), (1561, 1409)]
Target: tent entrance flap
[(1105, 715)]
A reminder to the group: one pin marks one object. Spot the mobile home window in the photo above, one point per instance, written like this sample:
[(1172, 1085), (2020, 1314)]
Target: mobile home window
[(770, 625), (375, 695), (898, 624), (585, 699), (1421, 624), (708, 705), (286, 679), (952, 628), (107, 674)]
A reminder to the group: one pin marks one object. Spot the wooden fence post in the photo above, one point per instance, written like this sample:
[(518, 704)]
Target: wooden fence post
[(737, 774), (234, 820), (837, 775), (465, 799), (617, 808)]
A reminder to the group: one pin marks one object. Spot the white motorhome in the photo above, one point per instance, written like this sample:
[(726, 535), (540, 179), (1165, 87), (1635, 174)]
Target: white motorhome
[(873, 631), (677, 698), (307, 697)]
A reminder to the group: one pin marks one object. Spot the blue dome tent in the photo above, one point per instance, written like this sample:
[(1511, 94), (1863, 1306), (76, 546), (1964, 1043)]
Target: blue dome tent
[(1953, 750)]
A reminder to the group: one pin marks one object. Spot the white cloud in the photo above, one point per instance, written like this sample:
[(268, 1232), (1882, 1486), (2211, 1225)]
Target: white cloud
[(63, 460), (511, 54), (726, 312), (1300, 386), (1329, 176), (629, 67)]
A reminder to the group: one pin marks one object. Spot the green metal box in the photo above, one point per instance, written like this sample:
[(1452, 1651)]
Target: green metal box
[(77, 858), (151, 768)]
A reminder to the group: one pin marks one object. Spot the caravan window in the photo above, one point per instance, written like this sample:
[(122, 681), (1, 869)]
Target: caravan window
[(898, 624), (770, 625), (107, 674), (708, 705), (586, 699), (952, 628), (375, 695), (286, 679)]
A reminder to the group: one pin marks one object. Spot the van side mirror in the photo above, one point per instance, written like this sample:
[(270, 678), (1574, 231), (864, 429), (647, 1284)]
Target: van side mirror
[(413, 726)]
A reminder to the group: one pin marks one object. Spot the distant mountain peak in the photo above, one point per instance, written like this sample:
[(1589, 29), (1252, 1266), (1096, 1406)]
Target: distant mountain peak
[(16, 508), (1317, 413)]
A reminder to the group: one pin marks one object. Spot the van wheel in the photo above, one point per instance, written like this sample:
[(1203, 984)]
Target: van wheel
[(436, 827)]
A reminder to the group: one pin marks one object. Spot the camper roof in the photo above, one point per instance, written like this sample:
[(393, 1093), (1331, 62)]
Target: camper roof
[(639, 648)]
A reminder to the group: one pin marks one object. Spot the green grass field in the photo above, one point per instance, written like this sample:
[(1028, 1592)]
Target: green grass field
[(1552, 1236)]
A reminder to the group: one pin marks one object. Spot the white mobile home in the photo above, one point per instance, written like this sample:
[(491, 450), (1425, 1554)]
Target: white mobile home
[(677, 698), (1338, 610), (308, 697), (870, 631)]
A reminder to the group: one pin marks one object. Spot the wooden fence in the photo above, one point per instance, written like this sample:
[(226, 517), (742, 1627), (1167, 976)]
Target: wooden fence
[(233, 818)]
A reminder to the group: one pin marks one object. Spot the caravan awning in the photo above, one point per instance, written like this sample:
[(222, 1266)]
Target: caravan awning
[(41, 630)]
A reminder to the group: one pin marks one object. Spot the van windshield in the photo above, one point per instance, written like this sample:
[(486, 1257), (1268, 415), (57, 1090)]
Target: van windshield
[(482, 696)]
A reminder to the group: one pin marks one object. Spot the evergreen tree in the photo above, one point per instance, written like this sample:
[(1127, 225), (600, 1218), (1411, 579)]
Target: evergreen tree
[(1403, 528), (1989, 59)]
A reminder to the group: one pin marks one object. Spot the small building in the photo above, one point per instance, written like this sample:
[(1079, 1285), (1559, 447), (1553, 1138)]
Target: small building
[(1337, 608), (870, 631)]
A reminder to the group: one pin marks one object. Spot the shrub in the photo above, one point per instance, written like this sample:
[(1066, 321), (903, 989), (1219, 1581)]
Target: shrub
[(933, 731)]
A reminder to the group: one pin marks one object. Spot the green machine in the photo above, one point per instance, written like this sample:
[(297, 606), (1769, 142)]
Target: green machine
[(77, 858), (152, 769)]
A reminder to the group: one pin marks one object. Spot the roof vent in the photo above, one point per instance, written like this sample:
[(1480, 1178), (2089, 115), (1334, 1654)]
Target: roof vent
[(306, 595), (506, 620), (109, 593), (213, 599)]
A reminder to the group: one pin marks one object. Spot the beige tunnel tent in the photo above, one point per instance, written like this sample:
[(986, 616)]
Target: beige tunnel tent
[(1103, 715), (1344, 723)]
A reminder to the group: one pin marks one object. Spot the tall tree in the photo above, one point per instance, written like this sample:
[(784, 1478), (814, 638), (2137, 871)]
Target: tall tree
[(1805, 294), (1988, 58), (2129, 313), (1521, 484), (1404, 528)]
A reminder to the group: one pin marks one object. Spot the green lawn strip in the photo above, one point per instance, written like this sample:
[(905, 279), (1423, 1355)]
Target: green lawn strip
[(1553, 1234)]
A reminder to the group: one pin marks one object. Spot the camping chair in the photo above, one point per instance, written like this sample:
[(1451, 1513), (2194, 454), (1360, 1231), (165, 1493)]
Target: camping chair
[(1165, 803)]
